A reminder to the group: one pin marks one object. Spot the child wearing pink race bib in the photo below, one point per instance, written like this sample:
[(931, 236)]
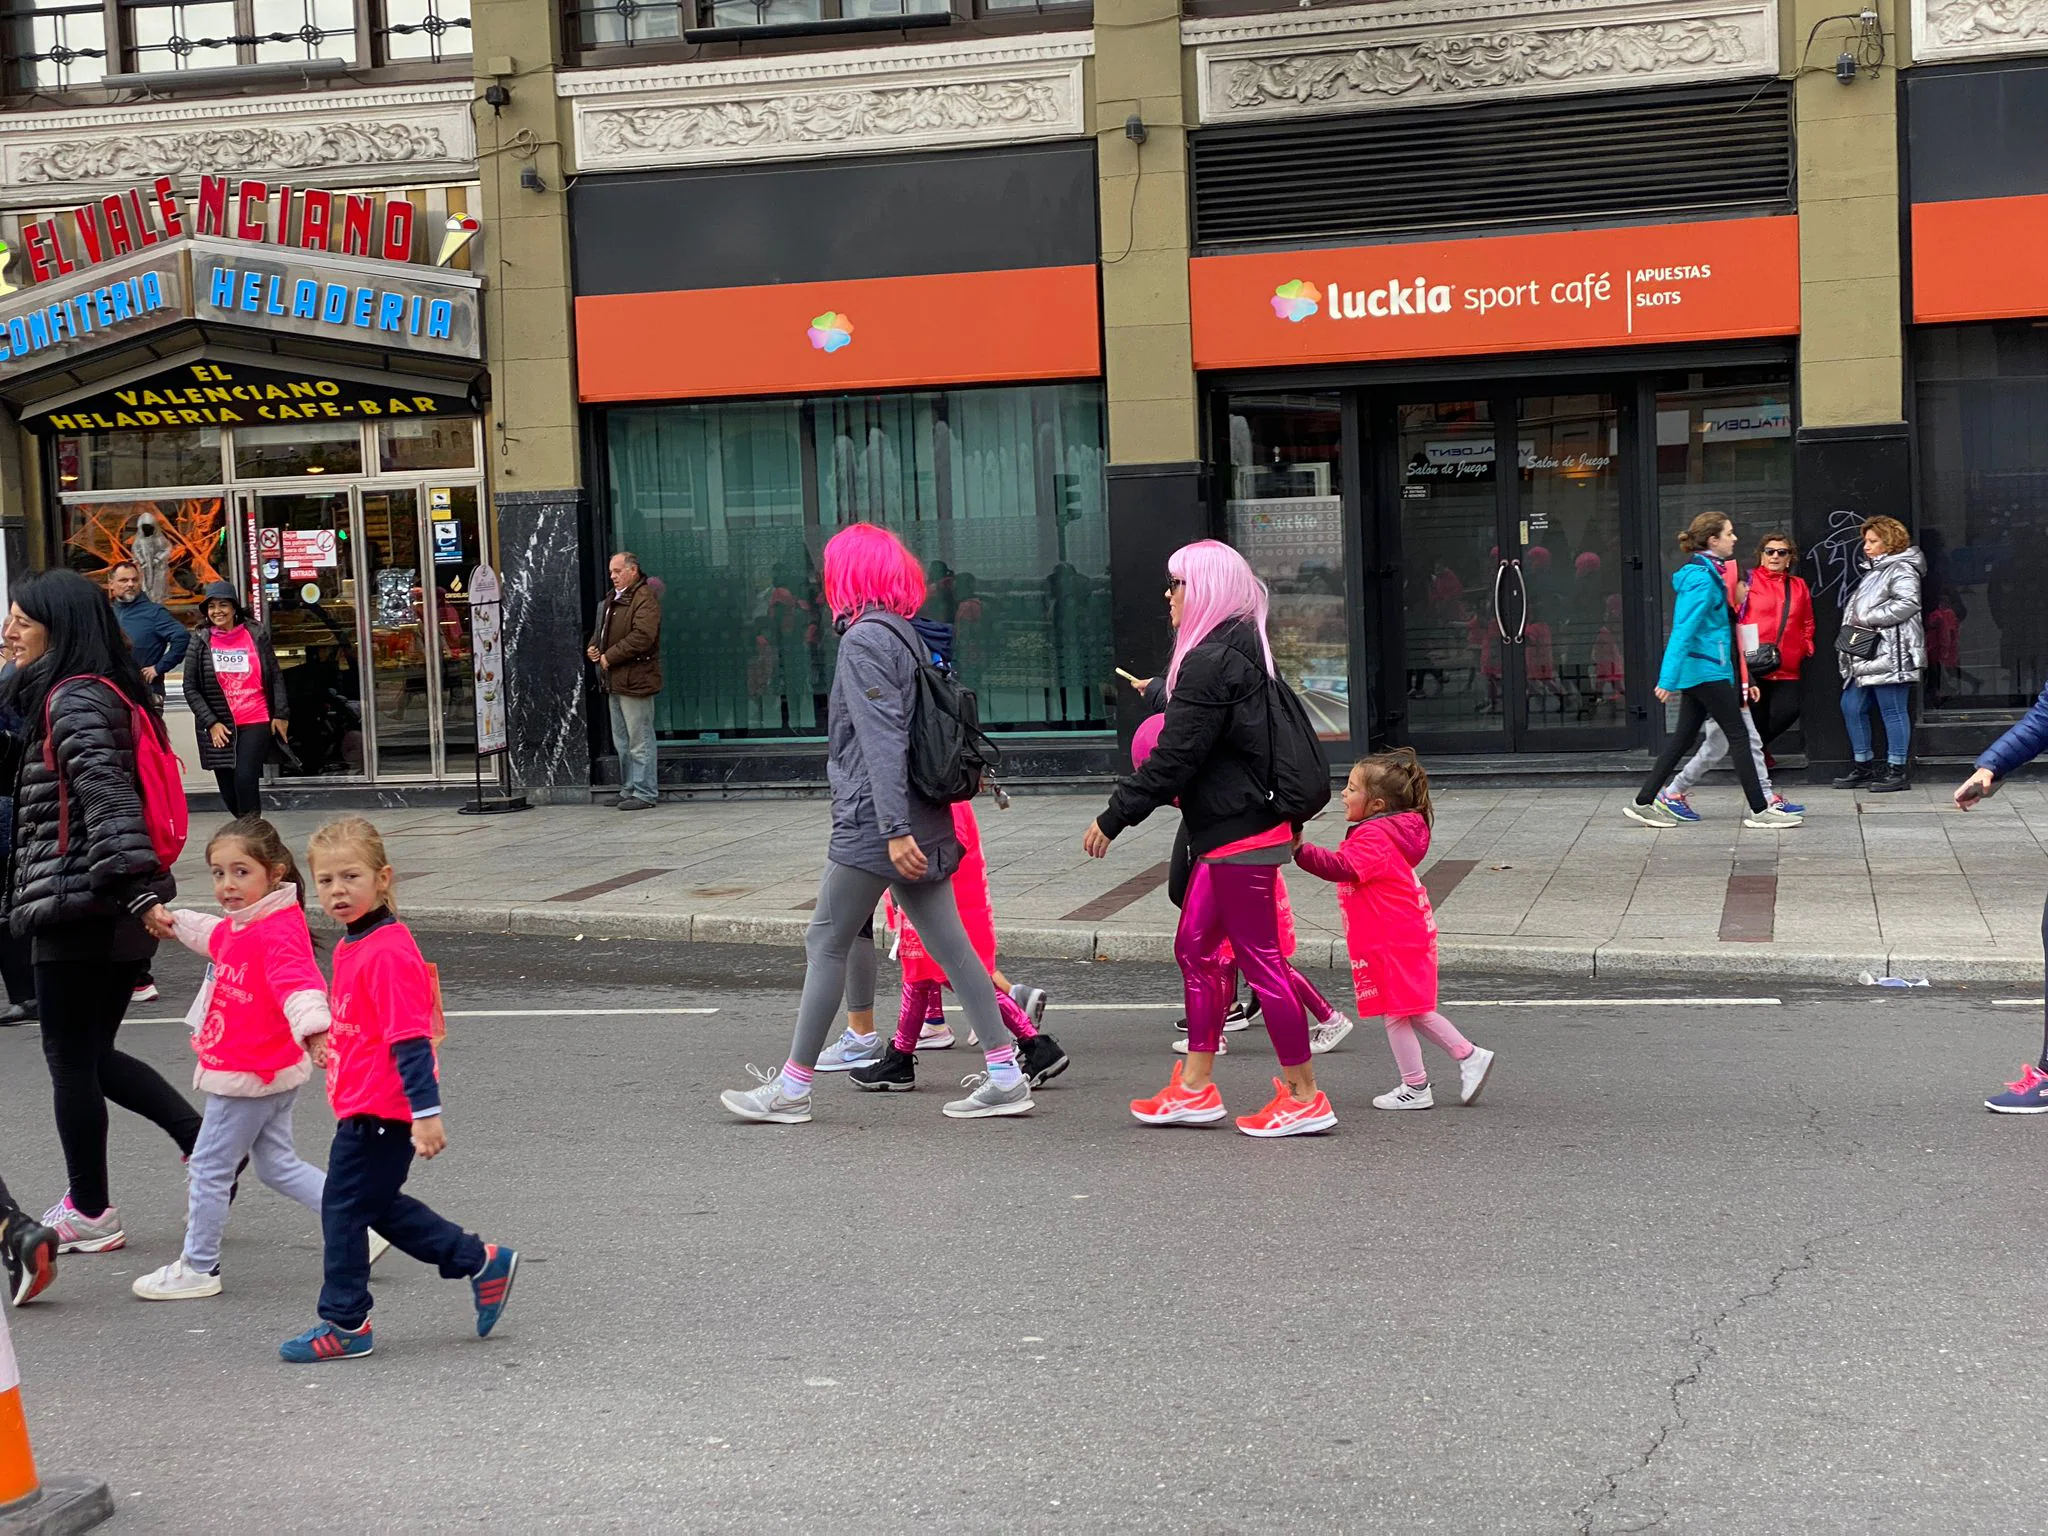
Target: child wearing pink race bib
[(1389, 928)]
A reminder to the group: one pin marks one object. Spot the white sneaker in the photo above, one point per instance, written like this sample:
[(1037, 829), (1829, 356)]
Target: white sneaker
[(1180, 1047), (933, 1037), (1406, 1097), (177, 1281), (1329, 1034), (990, 1098), (1472, 1074), (766, 1104), (1032, 1000), (850, 1051), (1771, 816), (379, 1245)]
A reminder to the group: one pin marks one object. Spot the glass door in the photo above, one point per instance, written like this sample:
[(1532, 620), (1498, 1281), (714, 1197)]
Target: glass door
[(1512, 615), (401, 674), (307, 591), (455, 532)]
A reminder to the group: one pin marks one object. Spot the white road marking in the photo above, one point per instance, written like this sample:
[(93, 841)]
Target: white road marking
[(2016, 1002)]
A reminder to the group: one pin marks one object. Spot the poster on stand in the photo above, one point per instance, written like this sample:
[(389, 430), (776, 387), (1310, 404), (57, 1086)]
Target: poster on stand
[(487, 656)]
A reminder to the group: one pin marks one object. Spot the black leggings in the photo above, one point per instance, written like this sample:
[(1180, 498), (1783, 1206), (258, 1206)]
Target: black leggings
[(82, 1003), (241, 787), (1696, 705), (1777, 711)]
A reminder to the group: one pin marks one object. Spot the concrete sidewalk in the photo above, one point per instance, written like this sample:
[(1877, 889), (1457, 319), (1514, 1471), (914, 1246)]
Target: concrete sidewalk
[(1527, 881)]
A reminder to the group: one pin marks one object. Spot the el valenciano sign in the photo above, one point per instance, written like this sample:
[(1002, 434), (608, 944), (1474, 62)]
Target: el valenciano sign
[(1638, 285)]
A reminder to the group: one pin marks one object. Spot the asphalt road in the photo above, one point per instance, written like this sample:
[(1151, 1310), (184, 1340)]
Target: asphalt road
[(1724, 1268)]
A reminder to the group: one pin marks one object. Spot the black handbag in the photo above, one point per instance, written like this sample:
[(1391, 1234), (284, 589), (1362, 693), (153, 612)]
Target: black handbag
[(1765, 657), (1855, 640)]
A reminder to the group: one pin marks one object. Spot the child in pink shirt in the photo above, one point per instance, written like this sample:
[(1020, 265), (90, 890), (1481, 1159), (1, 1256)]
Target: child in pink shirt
[(1388, 925), (383, 1080), (263, 1003)]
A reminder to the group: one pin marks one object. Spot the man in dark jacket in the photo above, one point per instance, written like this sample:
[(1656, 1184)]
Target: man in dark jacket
[(627, 650), (154, 632)]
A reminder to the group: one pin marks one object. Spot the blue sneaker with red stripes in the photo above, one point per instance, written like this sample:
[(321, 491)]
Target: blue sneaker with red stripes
[(493, 1286), (326, 1342), (1678, 806)]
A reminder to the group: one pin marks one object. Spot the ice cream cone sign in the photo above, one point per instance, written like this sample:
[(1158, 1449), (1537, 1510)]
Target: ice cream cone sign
[(460, 231), (6, 260)]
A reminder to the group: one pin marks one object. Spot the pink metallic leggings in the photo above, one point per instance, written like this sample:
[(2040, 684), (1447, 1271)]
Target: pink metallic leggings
[(921, 1000), (1238, 902)]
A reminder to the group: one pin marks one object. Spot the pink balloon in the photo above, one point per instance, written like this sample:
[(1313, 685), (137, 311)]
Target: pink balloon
[(1145, 739)]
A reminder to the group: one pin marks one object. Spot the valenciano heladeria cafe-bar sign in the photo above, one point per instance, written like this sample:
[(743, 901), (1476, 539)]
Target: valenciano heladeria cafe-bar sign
[(295, 263)]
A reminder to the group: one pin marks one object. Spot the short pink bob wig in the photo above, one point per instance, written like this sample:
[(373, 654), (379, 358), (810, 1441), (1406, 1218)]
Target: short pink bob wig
[(868, 567), (1217, 586)]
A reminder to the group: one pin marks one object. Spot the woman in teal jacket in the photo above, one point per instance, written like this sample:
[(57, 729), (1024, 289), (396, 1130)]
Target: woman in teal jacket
[(1701, 670)]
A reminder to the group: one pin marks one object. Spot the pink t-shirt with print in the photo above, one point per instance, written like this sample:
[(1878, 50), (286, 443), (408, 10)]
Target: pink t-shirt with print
[(235, 663)]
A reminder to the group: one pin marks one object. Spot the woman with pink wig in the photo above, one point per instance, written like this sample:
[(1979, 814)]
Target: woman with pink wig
[(885, 836), (1215, 757)]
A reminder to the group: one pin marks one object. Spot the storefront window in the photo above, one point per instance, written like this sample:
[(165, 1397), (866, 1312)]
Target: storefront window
[(1724, 444), (1982, 421), (998, 491), (1284, 512), (263, 453), (178, 543), (132, 461), (430, 444)]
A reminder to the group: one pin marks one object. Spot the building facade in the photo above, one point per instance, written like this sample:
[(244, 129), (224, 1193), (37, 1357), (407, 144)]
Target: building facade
[(1448, 315)]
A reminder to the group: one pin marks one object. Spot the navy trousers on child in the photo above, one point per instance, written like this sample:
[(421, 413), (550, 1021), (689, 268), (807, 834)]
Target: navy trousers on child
[(365, 1174)]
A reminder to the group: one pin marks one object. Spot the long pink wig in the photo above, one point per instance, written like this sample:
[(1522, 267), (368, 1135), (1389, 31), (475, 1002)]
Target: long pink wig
[(1218, 587), (868, 567)]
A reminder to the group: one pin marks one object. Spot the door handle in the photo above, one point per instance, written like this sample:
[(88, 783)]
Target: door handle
[(1522, 587), (1499, 575)]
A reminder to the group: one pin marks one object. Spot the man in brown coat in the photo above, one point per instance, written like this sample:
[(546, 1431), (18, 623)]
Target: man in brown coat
[(627, 650)]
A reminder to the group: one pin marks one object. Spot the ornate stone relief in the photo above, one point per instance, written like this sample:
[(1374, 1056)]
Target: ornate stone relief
[(829, 104), (1368, 57), (1976, 29), (346, 138)]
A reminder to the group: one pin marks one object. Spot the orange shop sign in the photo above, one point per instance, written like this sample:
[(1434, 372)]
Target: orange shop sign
[(1512, 293), (1980, 259)]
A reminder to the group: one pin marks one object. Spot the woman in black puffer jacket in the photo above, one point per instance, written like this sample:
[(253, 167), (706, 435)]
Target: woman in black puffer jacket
[(82, 897)]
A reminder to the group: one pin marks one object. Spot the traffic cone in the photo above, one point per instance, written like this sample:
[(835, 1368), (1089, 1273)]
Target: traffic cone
[(28, 1506)]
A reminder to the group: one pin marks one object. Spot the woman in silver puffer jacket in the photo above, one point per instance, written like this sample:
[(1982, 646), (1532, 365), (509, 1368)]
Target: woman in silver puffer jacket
[(1887, 600)]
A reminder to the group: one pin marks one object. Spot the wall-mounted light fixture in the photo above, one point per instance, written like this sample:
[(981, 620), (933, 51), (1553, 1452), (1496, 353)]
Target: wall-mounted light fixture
[(1134, 128), (529, 178)]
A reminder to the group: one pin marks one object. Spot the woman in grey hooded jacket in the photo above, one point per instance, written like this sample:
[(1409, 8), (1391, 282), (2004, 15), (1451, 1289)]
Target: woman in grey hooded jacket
[(1887, 600), (885, 836)]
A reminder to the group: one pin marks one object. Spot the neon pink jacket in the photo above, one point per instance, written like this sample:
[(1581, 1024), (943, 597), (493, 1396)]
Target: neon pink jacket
[(970, 895), (263, 996), (1389, 929)]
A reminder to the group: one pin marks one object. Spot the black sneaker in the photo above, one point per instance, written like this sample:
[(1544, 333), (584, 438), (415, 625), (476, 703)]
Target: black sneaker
[(28, 1250), (1891, 781), (1243, 1014), (896, 1072), (1041, 1060), (1858, 775)]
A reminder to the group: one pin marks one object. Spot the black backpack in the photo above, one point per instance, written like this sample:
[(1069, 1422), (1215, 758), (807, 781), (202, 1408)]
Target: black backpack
[(1298, 776), (949, 755)]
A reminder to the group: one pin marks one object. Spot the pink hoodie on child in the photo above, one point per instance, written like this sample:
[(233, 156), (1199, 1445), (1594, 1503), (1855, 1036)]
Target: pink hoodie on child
[(1389, 928), (263, 996)]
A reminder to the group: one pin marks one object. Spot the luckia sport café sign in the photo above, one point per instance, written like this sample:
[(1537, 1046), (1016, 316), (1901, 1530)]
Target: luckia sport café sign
[(310, 263)]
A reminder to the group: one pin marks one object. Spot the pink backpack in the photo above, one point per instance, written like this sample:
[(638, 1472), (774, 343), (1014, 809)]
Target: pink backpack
[(158, 773)]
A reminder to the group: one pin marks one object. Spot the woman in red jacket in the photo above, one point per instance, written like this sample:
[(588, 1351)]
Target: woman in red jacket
[(1781, 608)]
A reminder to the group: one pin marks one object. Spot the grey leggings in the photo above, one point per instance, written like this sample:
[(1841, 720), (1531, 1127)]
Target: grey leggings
[(846, 900), (861, 965)]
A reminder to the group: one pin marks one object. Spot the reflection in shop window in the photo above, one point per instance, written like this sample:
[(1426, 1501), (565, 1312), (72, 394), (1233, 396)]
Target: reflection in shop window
[(998, 491), (428, 444), (1982, 424), (134, 461), (1285, 514), (178, 544), (263, 453), (1724, 444)]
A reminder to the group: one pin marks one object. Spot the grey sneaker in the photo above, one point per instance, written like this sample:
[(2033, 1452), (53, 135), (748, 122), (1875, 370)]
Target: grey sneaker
[(1329, 1034), (850, 1051), (1655, 814), (990, 1098), (633, 803), (767, 1104), (1032, 1000), (1771, 816), (80, 1233)]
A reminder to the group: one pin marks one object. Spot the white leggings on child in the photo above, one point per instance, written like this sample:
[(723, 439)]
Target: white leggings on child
[(1408, 1049)]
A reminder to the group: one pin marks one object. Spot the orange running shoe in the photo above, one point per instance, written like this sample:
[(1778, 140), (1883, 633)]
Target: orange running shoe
[(1181, 1106), (1286, 1116)]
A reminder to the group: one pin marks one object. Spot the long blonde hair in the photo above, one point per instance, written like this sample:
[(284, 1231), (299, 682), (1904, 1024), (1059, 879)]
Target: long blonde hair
[(353, 834)]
